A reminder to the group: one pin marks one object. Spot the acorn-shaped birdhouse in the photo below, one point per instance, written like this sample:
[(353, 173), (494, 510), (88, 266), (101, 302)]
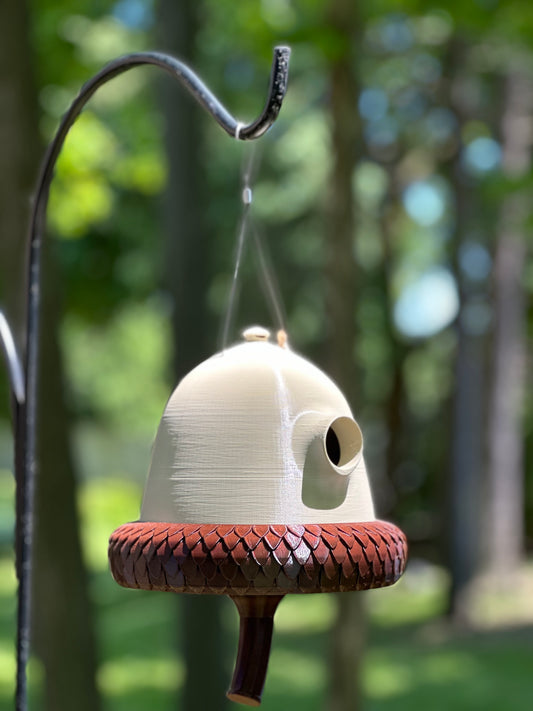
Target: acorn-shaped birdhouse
[(257, 488)]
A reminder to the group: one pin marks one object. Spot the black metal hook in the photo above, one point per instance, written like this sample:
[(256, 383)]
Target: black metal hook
[(24, 384)]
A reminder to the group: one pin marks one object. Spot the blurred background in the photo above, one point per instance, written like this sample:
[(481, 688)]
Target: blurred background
[(394, 196)]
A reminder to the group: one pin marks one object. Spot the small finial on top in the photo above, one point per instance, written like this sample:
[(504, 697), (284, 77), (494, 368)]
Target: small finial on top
[(256, 333)]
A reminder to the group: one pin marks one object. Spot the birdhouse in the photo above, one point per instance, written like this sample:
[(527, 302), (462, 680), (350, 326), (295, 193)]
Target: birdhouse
[(257, 489)]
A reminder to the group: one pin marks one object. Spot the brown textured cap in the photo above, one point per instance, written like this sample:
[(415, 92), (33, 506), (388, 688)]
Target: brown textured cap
[(259, 559)]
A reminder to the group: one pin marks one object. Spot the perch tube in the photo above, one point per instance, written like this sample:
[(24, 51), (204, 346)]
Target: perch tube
[(26, 407)]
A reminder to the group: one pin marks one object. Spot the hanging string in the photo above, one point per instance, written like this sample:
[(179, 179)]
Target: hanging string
[(241, 240), (264, 265), (268, 280)]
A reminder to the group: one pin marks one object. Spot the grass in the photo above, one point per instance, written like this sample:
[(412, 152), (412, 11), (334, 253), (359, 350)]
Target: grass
[(414, 660)]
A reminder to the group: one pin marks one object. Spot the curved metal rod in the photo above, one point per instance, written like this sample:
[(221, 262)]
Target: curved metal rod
[(26, 468), (14, 366)]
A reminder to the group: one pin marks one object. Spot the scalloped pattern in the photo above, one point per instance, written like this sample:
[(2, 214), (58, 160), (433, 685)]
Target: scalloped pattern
[(257, 559)]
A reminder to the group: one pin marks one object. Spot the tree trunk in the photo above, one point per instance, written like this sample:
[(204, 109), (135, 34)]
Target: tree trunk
[(62, 614), (466, 476), (341, 271), (187, 279), (395, 411), (19, 158), (505, 526), (348, 633), (62, 626), (347, 652), (468, 408)]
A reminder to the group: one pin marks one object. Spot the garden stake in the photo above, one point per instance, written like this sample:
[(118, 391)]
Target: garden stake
[(23, 380)]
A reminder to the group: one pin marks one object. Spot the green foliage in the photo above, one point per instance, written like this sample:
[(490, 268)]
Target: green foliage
[(105, 199), (105, 362), (105, 218)]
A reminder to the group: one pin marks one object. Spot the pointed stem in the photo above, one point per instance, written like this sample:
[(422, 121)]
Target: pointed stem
[(255, 637)]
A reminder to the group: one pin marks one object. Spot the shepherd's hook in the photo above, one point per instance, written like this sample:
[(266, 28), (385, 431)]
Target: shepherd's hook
[(23, 381)]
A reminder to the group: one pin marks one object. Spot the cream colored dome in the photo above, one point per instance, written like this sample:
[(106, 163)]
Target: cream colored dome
[(257, 434)]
